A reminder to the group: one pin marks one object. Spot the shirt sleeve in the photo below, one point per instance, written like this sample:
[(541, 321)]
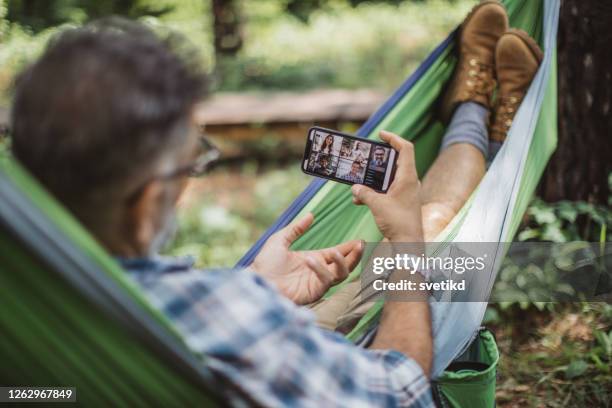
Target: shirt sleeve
[(253, 337)]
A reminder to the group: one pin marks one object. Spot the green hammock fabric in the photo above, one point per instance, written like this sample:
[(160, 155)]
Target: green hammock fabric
[(464, 385), (55, 335)]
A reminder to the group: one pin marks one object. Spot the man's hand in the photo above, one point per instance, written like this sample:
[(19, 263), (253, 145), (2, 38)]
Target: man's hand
[(304, 276), (398, 212), (404, 326)]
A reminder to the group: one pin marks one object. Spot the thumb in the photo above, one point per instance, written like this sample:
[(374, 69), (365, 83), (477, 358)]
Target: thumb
[(293, 231), (363, 195)]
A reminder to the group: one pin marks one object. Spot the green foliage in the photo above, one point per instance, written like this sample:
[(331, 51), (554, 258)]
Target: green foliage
[(529, 286), (566, 221), (575, 369), (302, 9), (40, 15), (569, 362), (572, 223), (21, 43), (371, 45), (601, 354)]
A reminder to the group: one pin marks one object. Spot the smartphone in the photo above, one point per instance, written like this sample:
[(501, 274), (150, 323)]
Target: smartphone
[(348, 159)]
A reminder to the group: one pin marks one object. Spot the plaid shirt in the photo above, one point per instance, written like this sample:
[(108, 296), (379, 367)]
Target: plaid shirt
[(261, 342), (352, 178)]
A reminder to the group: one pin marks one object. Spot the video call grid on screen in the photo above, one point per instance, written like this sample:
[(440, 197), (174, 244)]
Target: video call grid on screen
[(348, 159)]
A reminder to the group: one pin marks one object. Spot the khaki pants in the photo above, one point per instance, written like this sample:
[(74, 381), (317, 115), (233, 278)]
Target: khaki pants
[(342, 310)]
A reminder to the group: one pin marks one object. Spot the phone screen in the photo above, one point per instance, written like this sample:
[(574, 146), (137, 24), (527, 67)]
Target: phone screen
[(349, 159)]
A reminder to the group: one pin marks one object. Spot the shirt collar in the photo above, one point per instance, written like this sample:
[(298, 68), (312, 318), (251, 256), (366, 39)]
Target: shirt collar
[(157, 264)]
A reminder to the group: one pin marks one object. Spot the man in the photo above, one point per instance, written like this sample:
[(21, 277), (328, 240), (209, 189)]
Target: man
[(354, 175), (322, 165), (379, 157), (104, 120)]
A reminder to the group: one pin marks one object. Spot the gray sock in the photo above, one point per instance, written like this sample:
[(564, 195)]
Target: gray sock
[(493, 149), (468, 125)]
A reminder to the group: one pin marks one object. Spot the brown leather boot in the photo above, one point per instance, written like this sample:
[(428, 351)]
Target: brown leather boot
[(517, 58), (474, 77)]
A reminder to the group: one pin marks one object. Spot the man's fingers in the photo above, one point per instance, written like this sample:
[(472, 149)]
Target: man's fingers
[(341, 270), (406, 167), (394, 140), (325, 275), (354, 257), (352, 252), (336, 270), (347, 247), (363, 195), (293, 231)]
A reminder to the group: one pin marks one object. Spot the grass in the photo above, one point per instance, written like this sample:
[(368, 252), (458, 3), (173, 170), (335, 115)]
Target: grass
[(560, 358)]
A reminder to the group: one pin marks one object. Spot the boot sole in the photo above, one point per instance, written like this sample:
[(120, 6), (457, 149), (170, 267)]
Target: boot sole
[(533, 46)]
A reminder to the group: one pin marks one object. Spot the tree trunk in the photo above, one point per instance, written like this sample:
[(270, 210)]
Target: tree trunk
[(226, 27), (580, 167)]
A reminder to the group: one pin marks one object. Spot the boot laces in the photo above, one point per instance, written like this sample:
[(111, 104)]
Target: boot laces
[(507, 106), (480, 78)]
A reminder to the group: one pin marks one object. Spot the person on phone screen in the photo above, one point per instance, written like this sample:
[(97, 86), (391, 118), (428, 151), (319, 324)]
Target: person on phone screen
[(357, 154), (322, 165), (328, 145), (355, 174), (379, 157)]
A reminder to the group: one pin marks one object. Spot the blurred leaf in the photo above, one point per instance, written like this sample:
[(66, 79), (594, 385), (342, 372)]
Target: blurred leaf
[(553, 232), (576, 369), (528, 233), (567, 211), (491, 316), (601, 366), (542, 214), (605, 341), (509, 273), (540, 305)]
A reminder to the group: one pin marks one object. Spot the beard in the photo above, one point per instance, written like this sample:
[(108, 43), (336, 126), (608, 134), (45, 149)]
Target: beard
[(166, 233)]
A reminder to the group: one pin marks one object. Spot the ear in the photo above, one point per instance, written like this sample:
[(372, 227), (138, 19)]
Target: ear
[(143, 215)]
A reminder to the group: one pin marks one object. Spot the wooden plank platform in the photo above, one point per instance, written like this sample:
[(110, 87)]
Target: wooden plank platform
[(289, 107), (242, 124)]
